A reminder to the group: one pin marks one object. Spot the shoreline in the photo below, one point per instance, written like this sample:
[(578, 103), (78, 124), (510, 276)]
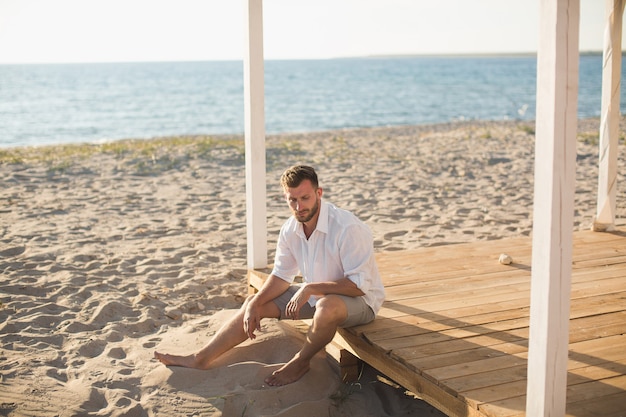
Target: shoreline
[(109, 255)]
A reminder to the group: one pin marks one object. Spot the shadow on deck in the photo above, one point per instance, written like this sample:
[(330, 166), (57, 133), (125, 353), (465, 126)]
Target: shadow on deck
[(454, 327)]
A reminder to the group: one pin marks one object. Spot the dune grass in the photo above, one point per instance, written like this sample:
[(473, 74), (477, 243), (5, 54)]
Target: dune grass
[(61, 156)]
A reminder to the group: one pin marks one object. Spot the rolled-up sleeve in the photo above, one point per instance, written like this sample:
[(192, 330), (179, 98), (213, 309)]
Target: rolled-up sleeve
[(285, 263), (357, 253)]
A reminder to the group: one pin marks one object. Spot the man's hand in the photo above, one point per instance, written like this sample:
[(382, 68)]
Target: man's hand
[(294, 305), (251, 321)]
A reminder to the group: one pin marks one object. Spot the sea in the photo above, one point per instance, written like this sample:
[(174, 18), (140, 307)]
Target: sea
[(76, 103)]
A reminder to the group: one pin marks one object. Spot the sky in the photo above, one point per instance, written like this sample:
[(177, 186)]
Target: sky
[(56, 31)]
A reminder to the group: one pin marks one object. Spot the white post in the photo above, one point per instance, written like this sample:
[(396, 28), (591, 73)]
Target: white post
[(555, 159), (609, 120), (254, 91)]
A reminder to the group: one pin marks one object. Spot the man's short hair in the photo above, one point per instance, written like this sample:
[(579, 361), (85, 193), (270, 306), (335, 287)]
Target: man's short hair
[(294, 176)]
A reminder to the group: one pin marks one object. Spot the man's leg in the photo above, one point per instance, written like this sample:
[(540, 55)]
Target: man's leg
[(228, 336), (330, 312)]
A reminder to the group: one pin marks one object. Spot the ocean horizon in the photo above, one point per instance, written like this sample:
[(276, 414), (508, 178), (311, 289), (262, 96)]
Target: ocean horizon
[(44, 104)]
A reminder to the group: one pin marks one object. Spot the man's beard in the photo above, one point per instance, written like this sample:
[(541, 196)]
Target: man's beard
[(311, 213)]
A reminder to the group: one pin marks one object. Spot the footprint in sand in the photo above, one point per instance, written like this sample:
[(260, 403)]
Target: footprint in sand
[(117, 353), (92, 348), (14, 251)]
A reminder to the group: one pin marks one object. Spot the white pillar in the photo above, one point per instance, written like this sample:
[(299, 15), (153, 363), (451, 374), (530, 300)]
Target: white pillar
[(555, 159), (254, 91), (609, 120)]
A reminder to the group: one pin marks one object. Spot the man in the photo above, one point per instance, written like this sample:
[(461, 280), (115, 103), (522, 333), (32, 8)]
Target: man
[(333, 251)]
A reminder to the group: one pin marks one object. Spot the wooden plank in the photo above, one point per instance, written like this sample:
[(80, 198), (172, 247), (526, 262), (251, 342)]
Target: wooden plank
[(474, 298), (462, 369), (580, 289), (501, 277), (434, 259), (455, 345), (453, 327), (454, 333), (486, 379), (256, 279), (588, 237), (408, 325), (606, 406), (474, 369), (597, 272), (510, 407), (485, 373), (394, 272), (597, 372), (397, 310), (408, 378), (457, 284), (507, 294), (598, 304), (469, 355), (509, 278), (476, 378), (593, 351), (600, 261), (473, 353), (403, 326), (596, 327), (491, 394), (394, 275)]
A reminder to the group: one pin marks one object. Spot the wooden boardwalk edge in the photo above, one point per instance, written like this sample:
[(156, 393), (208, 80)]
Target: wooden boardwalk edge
[(454, 328), (417, 384)]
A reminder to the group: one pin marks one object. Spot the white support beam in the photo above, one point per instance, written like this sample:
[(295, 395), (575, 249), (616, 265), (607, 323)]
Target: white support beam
[(555, 159), (254, 102), (609, 120)]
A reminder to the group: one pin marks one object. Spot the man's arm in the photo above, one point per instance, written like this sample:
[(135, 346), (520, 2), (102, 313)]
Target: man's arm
[(272, 288), (341, 287), (344, 286)]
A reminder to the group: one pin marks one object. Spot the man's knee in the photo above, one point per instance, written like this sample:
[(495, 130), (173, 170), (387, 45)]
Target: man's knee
[(331, 308), (267, 310)]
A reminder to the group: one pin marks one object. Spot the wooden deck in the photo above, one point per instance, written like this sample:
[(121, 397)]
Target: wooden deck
[(454, 327)]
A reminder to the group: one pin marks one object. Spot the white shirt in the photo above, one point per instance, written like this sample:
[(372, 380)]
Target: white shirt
[(341, 246)]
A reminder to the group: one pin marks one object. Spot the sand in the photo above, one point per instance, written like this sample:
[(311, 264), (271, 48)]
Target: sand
[(109, 254)]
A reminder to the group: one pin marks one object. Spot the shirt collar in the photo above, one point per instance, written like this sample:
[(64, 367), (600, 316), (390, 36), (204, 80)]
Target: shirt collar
[(322, 221)]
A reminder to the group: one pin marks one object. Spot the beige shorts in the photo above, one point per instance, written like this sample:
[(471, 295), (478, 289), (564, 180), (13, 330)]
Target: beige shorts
[(358, 310)]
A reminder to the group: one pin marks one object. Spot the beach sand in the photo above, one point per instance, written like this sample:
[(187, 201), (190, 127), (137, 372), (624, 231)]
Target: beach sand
[(108, 253)]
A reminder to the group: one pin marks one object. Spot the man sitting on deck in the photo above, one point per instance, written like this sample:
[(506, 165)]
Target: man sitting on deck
[(333, 250)]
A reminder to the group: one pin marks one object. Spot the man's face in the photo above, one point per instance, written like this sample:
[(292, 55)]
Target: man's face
[(304, 201)]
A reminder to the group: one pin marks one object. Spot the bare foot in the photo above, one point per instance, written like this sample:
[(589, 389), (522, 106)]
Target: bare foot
[(290, 372), (188, 361)]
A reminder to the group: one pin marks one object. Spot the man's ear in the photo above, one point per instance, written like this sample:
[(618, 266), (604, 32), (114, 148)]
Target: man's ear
[(319, 191)]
